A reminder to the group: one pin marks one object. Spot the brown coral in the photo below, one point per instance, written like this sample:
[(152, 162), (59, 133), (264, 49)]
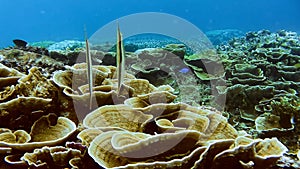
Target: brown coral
[(46, 131), (173, 136)]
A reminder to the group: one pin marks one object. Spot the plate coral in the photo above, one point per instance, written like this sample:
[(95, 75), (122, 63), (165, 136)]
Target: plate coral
[(163, 115)]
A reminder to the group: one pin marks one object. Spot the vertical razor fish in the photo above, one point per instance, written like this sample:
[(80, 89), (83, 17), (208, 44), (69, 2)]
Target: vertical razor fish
[(89, 70), (120, 59)]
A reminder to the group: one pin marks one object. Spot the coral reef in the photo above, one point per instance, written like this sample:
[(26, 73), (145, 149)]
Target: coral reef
[(66, 45), (43, 133), (22, 59), (179, 136), (219, 37), (105, 87), (164, 115), (146, 40), (262, 86)]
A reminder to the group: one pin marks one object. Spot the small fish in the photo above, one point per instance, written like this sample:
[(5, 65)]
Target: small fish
[(184, 70), (89, 69), (20, 43), (120, 59)]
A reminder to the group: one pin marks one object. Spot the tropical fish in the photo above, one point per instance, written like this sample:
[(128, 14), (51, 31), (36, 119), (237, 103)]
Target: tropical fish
[(120, 59), (89, 70), (20, 43), (184, 70)]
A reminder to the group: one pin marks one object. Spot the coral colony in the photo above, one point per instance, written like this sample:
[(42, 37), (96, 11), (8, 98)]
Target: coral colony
[(56, 113)]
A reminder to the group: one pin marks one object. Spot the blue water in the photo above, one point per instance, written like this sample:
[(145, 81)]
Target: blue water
[(56, 20)]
